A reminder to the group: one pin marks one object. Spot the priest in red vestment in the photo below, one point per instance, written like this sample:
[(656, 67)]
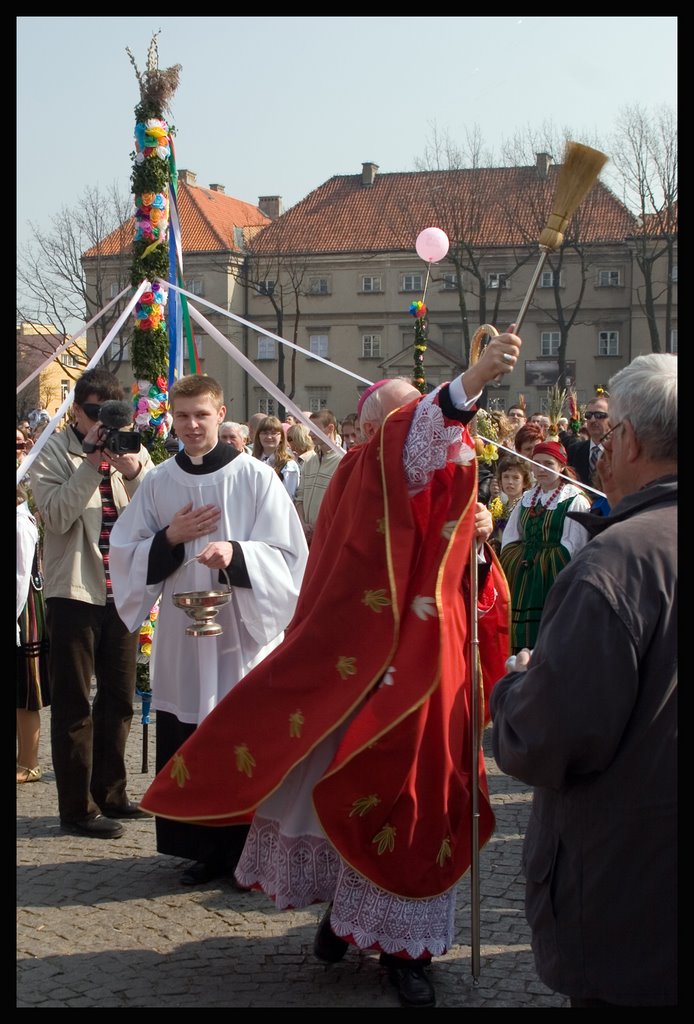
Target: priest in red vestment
[(348, 747)]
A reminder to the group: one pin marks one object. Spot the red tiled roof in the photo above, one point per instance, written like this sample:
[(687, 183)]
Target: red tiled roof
[(485, 207), (208, 219), (663, 222)]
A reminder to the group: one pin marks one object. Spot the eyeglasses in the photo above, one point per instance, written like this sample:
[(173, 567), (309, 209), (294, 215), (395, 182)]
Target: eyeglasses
[(92, 410), (274, 432), (21, 445), (604, 437), (596, 416)]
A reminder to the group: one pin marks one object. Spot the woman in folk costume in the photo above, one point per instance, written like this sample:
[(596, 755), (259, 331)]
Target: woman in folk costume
[(350, 747), (539, 540)]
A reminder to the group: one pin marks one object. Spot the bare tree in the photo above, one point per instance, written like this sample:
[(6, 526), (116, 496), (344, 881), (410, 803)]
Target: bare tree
[(571, 264), (280, 277), (462, 211), (54, 287), (644, 157)]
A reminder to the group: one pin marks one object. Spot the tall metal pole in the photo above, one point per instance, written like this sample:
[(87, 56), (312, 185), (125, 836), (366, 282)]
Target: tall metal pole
[(474, 771)]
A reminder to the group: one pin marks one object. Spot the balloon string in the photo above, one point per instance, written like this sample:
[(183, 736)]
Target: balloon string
[(426, 283)]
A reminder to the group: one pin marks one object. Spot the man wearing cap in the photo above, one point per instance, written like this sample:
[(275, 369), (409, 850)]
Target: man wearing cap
[(349, 746), (539, 540)]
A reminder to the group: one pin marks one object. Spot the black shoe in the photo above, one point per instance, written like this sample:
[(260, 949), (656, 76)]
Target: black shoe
[(201, 872), (97, 827), (235, 884), (129, 810), (327, 945), (410, 979)]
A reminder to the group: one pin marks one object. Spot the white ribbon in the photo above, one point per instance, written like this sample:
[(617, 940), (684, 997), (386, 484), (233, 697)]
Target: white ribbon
[(24, 466), (259, 376), (71, 340)]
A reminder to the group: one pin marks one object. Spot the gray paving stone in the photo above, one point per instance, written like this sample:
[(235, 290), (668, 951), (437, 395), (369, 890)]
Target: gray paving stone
[(107, 923)]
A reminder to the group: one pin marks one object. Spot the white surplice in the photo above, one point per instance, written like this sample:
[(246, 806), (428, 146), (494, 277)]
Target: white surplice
[(191, 675)]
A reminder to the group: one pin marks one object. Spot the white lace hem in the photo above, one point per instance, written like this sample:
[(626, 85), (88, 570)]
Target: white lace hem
[(296, 871)]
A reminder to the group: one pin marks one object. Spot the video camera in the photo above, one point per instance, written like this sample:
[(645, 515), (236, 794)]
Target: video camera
[(114, 416), (120, 442)]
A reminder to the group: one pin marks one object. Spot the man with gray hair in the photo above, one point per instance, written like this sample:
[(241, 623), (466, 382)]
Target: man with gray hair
[(598, 740)]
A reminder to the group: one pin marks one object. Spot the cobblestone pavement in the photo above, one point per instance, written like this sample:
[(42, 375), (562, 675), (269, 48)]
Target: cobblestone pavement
[(107, 923)]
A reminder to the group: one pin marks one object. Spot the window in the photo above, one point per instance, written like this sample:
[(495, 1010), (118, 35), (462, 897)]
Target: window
[(196, 286), (549, 343), (115, 349), (371, 284), (608, 279), (64, 389), (316, 403), (68, 360), (449, 282), (452, 341), (318, 345), (497, 280), (197, 338), (266, 406), (412, 282), (548, 278), (673, 341), (673, 276), (266, 287), (113, 290), (608, 343), (319, 286), (266, 348), (370, 345)]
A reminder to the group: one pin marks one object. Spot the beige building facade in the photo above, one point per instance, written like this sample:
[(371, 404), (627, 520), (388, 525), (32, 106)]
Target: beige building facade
[(337, 273)]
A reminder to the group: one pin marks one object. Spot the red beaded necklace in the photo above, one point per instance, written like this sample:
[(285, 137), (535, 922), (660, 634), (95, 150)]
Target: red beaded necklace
[(536, 509)]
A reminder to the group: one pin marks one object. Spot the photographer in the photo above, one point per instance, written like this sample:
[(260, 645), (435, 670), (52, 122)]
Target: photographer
[(81, 481)]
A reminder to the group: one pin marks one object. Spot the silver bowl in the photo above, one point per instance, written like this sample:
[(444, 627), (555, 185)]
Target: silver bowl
[(202, 607)]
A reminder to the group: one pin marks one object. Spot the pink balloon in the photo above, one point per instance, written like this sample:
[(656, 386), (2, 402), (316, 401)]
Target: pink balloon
[(432, 244)]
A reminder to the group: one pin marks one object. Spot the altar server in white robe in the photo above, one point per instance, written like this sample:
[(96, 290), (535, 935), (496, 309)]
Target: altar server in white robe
[(206, 519)]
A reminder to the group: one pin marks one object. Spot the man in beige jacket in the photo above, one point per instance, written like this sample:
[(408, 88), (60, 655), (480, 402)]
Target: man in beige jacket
[(80, 487)]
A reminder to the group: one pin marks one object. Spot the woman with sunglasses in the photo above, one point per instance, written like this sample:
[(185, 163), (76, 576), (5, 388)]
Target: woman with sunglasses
[(270, 445)]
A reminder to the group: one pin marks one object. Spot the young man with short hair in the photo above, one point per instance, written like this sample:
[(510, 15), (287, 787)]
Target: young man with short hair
[(210, 519)]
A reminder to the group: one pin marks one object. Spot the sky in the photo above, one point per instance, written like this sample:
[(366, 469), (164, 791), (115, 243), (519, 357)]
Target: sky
[(277, 106)]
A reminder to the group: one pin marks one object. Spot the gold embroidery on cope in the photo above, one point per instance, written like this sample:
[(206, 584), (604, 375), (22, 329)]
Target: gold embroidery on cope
[(375, 600), (245, 762), (179, 772), (296, 720), (385, 839), (364, 804), (444, 852), (346, 666)]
